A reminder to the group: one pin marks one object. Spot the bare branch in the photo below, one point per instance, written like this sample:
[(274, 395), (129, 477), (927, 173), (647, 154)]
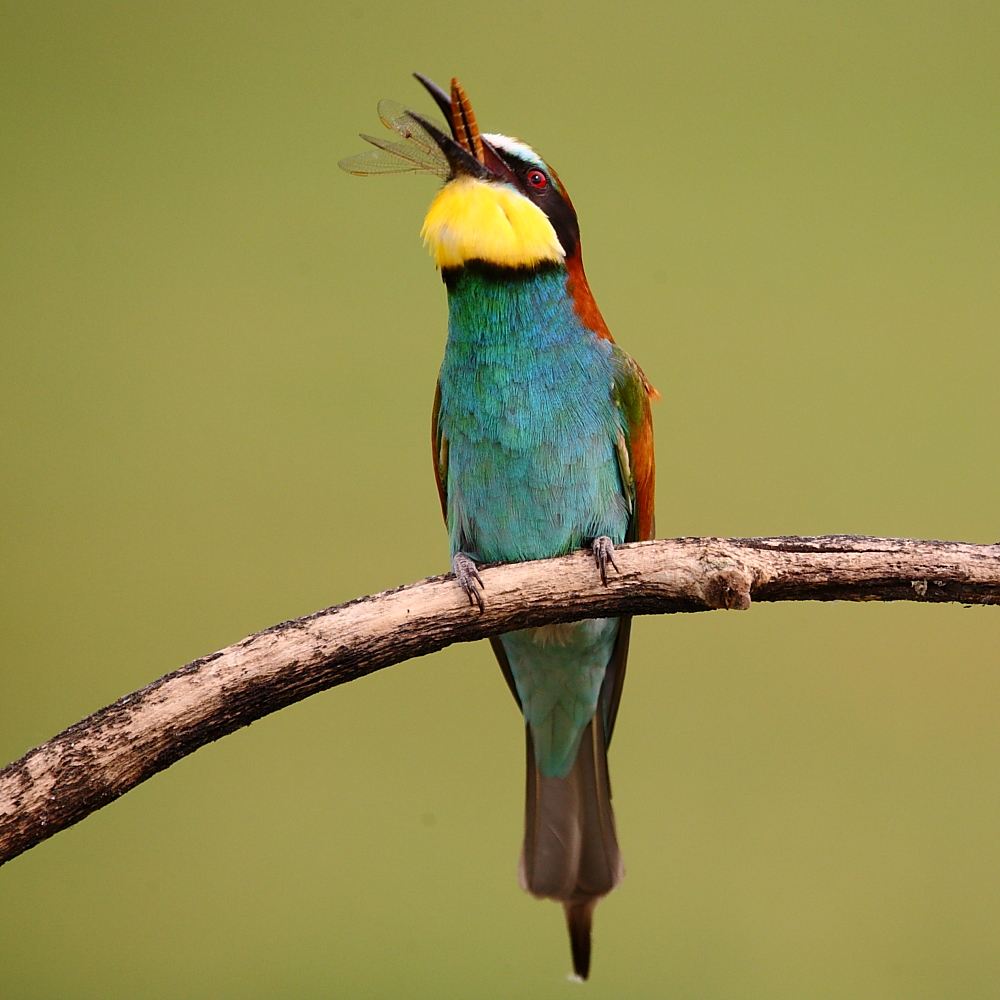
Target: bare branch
[(95, 761)]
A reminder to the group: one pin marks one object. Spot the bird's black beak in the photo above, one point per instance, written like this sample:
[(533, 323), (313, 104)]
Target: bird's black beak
[(467, 151)]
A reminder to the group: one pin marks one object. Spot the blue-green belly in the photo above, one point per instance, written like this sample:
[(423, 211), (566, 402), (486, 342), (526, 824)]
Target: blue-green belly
[(527, 411)]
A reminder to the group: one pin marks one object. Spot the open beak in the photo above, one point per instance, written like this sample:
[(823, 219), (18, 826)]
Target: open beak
[(467, 151)]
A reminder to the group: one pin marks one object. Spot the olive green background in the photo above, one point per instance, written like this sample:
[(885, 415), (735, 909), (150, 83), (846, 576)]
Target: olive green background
[(219, 354)]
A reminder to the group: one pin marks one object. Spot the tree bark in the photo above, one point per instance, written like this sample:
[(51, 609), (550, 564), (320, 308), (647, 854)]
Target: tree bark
[(95, 761)]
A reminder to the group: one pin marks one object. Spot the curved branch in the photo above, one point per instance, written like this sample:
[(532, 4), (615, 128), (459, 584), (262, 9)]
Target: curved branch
[(95, 761)]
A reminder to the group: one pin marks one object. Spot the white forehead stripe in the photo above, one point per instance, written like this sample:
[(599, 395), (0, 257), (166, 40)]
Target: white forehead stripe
[(515, 147)]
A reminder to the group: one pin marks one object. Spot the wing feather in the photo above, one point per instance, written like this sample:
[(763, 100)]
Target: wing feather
[(439, 453), (634, 447), (631, 393)]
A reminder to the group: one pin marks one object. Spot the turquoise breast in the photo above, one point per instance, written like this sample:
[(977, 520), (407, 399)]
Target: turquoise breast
[(527, 410), (526, 407)]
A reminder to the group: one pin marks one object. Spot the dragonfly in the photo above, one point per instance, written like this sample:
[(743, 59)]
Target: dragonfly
[(417, 153)]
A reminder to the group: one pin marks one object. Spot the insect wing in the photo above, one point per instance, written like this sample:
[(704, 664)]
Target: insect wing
[(393, 115), (417, 153), (380, 161)]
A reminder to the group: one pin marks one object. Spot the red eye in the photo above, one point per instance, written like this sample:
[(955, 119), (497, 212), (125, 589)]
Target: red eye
[(537, 180)]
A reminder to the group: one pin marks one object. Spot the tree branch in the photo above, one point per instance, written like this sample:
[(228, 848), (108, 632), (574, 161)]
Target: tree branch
[(95, 761)]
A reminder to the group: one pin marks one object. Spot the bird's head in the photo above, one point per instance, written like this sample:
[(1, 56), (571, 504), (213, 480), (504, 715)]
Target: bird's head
[(501, 203)]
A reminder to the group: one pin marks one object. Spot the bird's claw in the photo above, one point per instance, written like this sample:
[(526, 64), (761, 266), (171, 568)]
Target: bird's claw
[(468, 578), (604, 553)]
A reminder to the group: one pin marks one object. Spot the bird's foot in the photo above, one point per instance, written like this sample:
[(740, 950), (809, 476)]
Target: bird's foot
[(604, 553), (468, 578)]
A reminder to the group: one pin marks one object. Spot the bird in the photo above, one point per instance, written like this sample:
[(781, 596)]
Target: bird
[(542, 444)]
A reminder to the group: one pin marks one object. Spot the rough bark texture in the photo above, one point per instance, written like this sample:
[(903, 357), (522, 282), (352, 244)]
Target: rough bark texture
[(116, 748)]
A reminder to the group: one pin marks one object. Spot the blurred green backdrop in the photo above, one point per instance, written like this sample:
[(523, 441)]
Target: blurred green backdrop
[(218, 360)]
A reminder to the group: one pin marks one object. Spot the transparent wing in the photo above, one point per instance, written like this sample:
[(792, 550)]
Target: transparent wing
[(417, 153), (385, 161), (393, 115)]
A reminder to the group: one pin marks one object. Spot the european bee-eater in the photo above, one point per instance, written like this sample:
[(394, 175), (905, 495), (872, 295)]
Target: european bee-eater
[(543, 443)]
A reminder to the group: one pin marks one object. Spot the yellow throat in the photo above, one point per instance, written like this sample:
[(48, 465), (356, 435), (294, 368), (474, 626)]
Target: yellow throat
[(477, 220)]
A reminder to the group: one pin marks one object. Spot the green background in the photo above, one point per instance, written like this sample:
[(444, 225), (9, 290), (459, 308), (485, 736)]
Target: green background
[(219, 354)]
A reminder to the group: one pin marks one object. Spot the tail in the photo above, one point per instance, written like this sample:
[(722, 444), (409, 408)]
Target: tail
[(570, 851)]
